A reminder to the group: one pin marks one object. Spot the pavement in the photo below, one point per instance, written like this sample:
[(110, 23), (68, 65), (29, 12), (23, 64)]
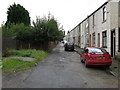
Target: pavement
[(114, 68)]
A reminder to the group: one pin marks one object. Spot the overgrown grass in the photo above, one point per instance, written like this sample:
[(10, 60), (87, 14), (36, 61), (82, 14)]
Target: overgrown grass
[(14, 65)]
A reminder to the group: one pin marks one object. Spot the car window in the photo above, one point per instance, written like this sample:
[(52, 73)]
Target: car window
[(97, 51), (70, 44)]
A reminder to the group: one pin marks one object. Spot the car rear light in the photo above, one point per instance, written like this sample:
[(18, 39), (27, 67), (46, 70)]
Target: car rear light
[(109, 57)]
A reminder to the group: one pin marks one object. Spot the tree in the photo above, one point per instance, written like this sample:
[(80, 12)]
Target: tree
[(40, 30), (52, 30), (17, 14), (18, 31), (46, 30), (23, 32), (8, 32)]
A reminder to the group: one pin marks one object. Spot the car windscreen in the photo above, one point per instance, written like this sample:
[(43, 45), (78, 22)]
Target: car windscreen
[(70, 44), (98, 51)]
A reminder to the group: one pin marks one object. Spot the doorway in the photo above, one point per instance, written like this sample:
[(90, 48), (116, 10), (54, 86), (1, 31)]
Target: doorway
[(113, 43)]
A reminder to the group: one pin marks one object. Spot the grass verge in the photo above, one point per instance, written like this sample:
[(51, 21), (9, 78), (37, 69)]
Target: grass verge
[(14, 65)]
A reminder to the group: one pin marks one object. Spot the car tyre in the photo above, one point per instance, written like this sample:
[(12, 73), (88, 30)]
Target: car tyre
[(65, 49), (81, 59), (86, 64), (107, 66)]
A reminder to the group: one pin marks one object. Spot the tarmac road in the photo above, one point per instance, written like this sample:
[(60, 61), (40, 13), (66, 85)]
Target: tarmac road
[(62, 69)]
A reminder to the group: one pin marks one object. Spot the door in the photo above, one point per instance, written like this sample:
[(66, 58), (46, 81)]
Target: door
[(85, 54), (113, 43)]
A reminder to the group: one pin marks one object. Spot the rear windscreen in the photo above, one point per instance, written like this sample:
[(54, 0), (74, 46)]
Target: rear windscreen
[(97, 50), (70, 44)]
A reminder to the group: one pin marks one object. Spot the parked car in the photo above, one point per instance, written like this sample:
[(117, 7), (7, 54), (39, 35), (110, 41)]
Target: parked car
[(69, 46), (96, 56)]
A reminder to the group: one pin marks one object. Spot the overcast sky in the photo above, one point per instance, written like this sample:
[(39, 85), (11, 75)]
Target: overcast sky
[(68, 12)]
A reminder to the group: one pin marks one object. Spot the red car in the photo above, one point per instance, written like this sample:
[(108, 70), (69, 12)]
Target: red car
[(96, 56)]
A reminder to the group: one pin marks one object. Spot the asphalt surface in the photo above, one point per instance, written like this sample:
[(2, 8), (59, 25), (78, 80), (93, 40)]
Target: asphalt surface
[(61, 69)]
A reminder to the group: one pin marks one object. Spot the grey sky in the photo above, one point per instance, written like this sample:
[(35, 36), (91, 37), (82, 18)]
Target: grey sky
[(68, 12)]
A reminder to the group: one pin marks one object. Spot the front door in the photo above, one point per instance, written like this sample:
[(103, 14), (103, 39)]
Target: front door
[(113, 43)]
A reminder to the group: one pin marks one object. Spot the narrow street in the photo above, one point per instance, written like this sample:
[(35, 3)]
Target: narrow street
[(63, 69)]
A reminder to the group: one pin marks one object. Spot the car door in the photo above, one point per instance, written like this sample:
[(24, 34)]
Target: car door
[(85, 54)]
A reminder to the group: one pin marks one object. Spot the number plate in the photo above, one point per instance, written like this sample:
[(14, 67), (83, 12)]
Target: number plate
[(100, 57)]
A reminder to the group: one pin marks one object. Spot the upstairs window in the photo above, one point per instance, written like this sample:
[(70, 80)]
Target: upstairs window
[(119, 8), (104, 14), (93, 20), (119, 40)]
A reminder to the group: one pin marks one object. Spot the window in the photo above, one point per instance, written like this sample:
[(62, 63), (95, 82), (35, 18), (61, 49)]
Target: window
[(68, 39), (90, 41), (93, 39), (93, 20), (104, 39), (104, 14), (70, 43), (78, 39), (98, 51), (87, 24), (79, 28), (119, 8), (82, 39), (98, 39), (119, 40)]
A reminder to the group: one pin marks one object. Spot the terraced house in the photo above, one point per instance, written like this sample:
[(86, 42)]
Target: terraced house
[(100, 29)]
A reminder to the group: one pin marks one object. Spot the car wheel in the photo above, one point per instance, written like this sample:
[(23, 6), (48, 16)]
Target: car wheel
[(81, 59), (86, 64), (65, 49), (107, 66)]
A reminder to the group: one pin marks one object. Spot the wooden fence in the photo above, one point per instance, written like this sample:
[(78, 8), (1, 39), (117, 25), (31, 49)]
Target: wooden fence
[(9, 43)]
